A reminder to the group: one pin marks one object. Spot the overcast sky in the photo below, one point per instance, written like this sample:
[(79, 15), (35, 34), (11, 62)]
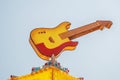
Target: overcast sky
[(97, 56)]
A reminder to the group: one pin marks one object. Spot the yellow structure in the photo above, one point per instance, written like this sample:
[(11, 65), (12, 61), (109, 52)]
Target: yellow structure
[(50, 73)]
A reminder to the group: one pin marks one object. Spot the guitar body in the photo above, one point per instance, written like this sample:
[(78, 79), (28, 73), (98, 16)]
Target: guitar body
[(46, 41)]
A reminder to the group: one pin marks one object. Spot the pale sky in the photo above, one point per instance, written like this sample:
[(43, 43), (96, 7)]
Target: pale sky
[(97, 56)]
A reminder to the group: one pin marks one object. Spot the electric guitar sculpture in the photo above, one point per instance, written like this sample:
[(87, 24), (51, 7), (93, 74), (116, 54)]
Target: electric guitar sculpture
[(48, 41)]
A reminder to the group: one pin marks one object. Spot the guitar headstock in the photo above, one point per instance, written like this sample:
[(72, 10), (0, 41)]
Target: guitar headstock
[(104, 23)]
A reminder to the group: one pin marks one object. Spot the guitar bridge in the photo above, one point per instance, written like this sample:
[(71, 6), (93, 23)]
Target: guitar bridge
[(51, 40)]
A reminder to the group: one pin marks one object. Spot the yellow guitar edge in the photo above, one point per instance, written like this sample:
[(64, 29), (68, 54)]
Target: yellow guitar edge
[(37, 52), (45, 57)]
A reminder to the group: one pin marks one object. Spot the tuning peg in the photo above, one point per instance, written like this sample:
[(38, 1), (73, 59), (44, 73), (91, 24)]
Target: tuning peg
[(109, 25), (104, 23), (101, 27)]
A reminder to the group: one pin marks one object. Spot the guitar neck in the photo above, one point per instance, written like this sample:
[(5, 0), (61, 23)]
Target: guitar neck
[(75, 33)]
